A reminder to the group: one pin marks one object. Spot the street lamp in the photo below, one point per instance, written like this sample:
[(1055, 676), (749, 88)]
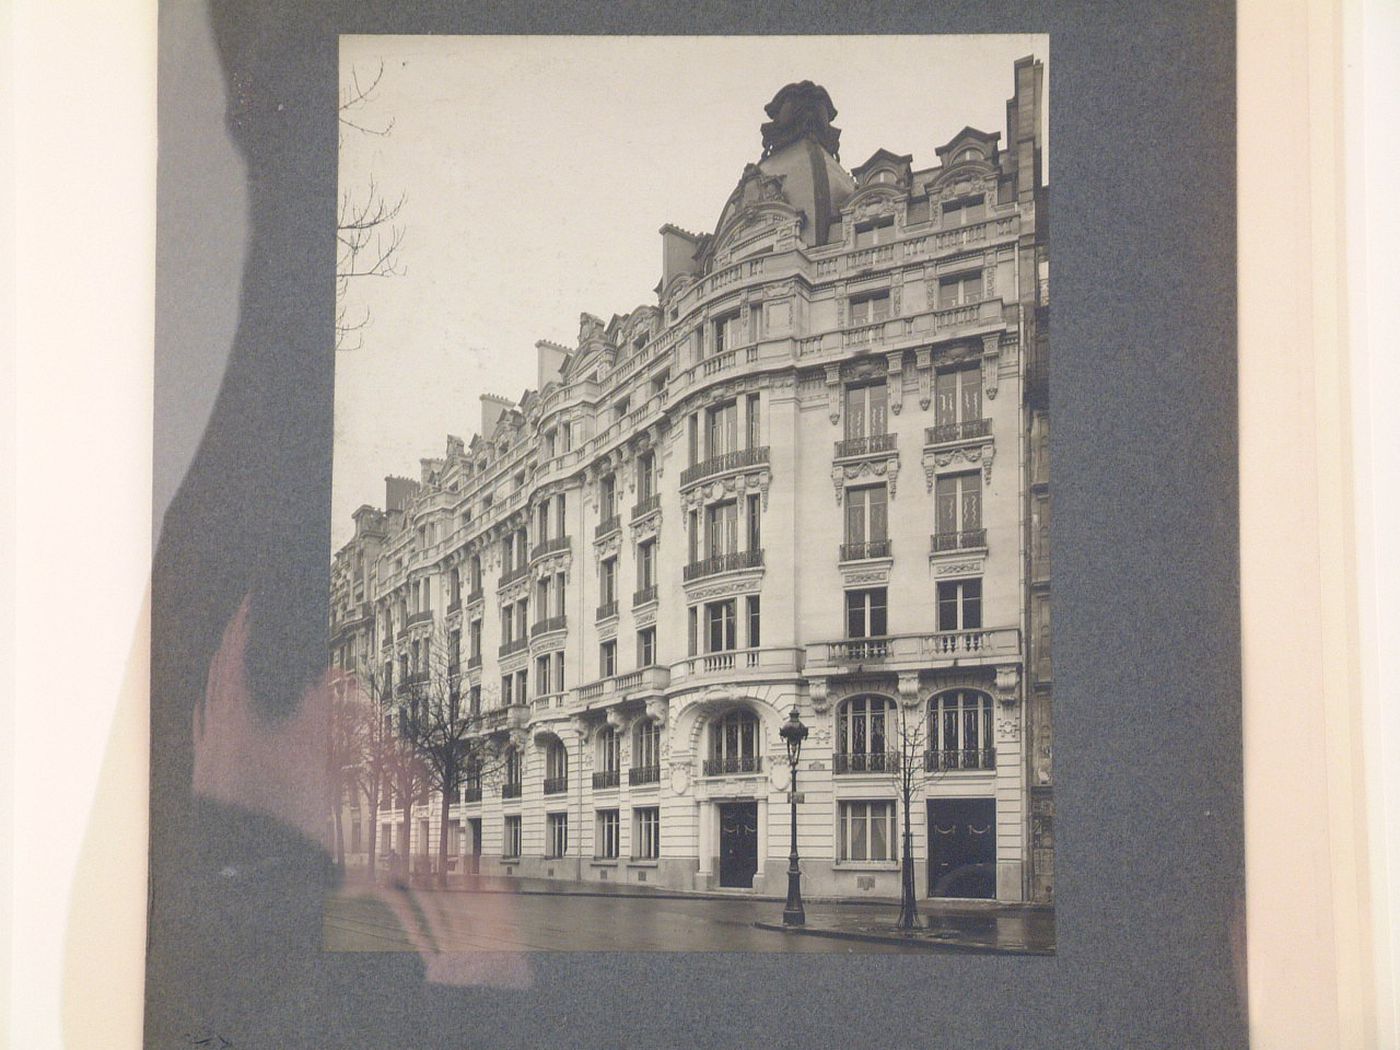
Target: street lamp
[(793, 733)]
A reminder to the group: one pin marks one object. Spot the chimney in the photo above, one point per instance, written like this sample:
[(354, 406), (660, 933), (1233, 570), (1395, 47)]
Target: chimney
[(551, 358), (493, 406)]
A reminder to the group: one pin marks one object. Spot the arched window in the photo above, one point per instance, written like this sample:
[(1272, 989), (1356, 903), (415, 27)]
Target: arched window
[(646, 754), (606, 775), (960, 731), (864, 728), (734, 745), (556, 768)]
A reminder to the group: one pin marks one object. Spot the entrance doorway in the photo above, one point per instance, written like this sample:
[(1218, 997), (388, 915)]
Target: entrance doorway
[(962, 847), (738, 844)]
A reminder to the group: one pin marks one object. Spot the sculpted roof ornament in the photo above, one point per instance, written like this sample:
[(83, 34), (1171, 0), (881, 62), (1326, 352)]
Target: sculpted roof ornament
[(798, 110)]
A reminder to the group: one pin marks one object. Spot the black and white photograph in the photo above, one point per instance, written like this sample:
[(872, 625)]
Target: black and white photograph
[(690, 576)]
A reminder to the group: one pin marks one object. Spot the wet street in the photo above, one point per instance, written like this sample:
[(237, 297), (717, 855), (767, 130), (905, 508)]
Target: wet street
[(454, 921)]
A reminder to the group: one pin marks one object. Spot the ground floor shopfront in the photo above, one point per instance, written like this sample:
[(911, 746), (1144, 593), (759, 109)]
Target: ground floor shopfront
[(691, 791)]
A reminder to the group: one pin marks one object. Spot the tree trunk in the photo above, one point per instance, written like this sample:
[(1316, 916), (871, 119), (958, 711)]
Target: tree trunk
[(373, 836), (442, 842), (908, 905), (340, 840), (406, 857)]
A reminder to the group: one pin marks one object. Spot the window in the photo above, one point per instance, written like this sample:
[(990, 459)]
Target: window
[(521, 691), (474, 640), (646, 476), (557, 828), (867, 523), (474, 568), (542, 522), (607, 580), (510, 847), (556, 768), (551, 443), (609, 836), (646, 564), (961, 290), (719, 626), (455, 586), (881, 231), (474, 700), (559, 670), (646, 647), (566, 433), (958, 397), (607, 658), (753, 522), (960, 731), (646, 746), (607, 498), (754, 421), (514, 772), (963, 212), (866, 410), (869, 309), (960, 605), (722, 528), (866, 613), (507, 682), (863, 725), (751, 607), (609, 750), (734, 744), (559, 516), (958, 511), (721, 429), (729, 332), (542, 675), (621, 408), (648, 832), (867, 830)]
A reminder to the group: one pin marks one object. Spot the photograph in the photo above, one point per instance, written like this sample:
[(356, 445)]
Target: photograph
[(689, 569)]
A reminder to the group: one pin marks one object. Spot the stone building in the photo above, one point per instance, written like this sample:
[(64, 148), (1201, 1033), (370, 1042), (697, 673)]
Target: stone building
[(812, 471)]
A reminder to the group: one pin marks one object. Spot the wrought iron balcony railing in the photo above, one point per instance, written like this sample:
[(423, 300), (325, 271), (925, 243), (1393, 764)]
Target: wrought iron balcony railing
[(960, 758), (645, 506), (556, 785), (607, 610), (965, 539), (473, 661), (471, 794), (966, 430), (606, 778), (870, 444), (865, 549), (476, 596), (422, 616), (865, 762), (548, 624), (723, 563), (731, 764), (612, 523), (511, 575), (510, 790), (644, 595), (747, 457), (512, 646), (554, 546), (644, 775)]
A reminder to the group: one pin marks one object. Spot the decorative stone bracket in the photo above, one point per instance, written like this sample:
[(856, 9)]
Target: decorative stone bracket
[(833, 392), (923, 361), (894, 381), (657, 710), (991, 362)]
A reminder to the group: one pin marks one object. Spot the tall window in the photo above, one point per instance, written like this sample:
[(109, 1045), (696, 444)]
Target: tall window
[(754, 421), (867, 522), (514, 774), (609, 750), (557, 835), (880, 231), (646, 746), (521, 691), (646, 647), (753, 521), (556, 768), (734, 744), (960, 731), (607, 658), (542, 521), (607, 497), (960, 605), (961, 290), (866, 613), (719, 626), (507, 687), (867, 410), (729, 332), (754, 637), (721, 429), (646, 564), (958, 396), (958, 510), (474, 572), (867, 830), (646, 476), (510, 845), (868, 309), (863, 725), (474, 640), (542, 670), (609, 834), (964, 212), (559, 513), (559, 670), (647, 835), (607, 580), (722, 528), (474, 700)]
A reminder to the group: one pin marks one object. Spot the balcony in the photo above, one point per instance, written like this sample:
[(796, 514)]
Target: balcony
[(641, 681), (606, 778), (1038, 383), (548, 625), (454, 606), (510, 790), (870, 445), (644, 775), (733, 765), (612, 523), (473, 661), (556, 785), (476, 596), (725, 461), (966, 539), (644, 596), (865, 550), (471, 794), (977, 315), (865, 762), (642, 508), (730, 663), (915, 651), (548, 547), (967, 430), (512, 716), (423, 616), (515, 645), (723, 563), (511, 575), (607, 611), (955, 758)]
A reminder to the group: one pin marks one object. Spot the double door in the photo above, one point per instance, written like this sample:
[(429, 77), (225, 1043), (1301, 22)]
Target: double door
[(738, 844), (962, 835)]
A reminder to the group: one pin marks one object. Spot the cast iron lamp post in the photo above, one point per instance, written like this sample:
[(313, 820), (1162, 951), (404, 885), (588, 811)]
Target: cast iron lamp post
[(793, 733)]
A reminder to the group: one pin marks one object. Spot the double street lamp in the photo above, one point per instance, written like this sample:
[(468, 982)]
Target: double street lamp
[(793, 733)]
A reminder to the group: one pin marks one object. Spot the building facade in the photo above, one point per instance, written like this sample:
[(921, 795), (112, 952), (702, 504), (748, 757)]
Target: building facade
[(813, 472)]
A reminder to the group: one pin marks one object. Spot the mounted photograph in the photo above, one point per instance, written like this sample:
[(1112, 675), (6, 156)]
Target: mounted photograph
[(689, 571)]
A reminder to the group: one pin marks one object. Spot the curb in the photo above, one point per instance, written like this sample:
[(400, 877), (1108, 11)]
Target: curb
[(908, 941)]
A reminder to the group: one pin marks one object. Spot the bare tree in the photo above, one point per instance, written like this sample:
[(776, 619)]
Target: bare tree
[(344, 758), (907, 769), (368, 232)]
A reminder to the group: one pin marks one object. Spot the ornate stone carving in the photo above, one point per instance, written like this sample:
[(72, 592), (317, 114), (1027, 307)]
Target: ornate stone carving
[(657, 709), (954, 458), (817, 689), (991, 361), (733, 486), (1008, 727), (798, 110), (833, 392), (894, 379), (909, 687), (923, 362), (727, 588), (960, 568), (887, 468)]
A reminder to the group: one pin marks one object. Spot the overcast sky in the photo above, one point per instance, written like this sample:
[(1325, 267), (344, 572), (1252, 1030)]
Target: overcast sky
[(536, 171)]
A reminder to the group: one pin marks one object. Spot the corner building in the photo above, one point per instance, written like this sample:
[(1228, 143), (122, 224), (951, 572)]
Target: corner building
[(814, 471)]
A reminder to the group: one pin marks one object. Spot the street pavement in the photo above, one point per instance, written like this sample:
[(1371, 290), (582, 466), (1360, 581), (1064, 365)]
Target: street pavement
[(550, 917)]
